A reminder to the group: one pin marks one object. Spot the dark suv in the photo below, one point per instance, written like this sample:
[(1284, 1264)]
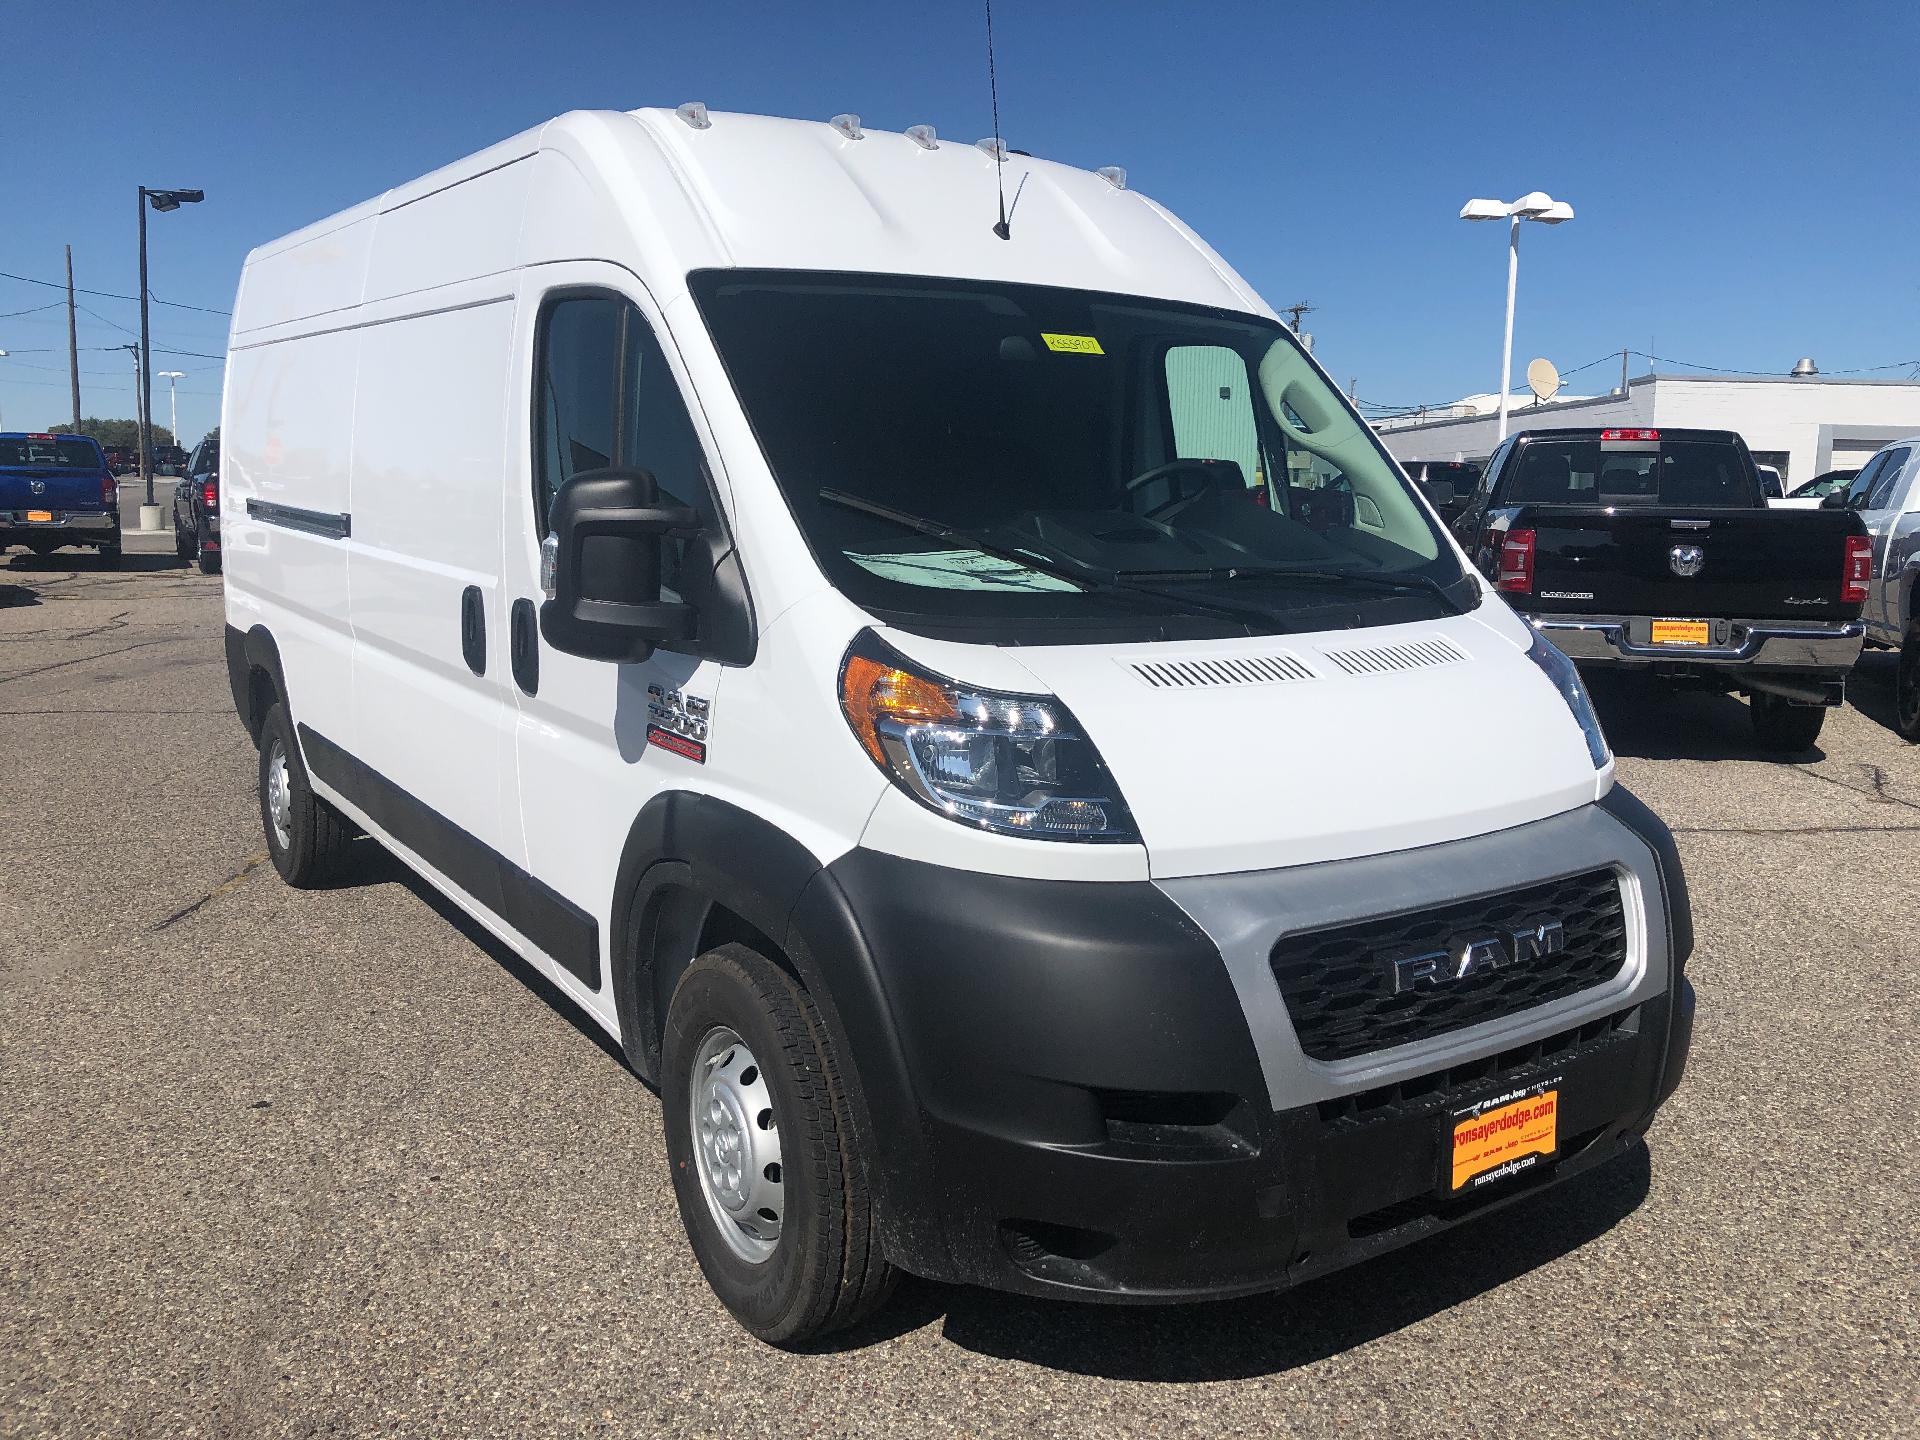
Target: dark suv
[(196, 507)]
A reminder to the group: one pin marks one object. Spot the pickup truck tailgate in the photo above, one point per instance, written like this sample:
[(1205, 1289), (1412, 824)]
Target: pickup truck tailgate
[(1631, 560)]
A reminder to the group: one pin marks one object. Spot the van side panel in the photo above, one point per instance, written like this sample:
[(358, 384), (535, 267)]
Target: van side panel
[(287, 441), (468, 230), (429, 442)]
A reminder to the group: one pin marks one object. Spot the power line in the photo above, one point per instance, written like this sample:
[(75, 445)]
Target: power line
[(110, 295), (15, 314)]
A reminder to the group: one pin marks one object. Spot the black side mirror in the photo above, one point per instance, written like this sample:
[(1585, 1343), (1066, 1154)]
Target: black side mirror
[(1834, 500), (607, 528)]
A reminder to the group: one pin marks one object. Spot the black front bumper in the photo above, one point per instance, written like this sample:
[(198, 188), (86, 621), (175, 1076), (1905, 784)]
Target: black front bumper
[(1064, 1097)]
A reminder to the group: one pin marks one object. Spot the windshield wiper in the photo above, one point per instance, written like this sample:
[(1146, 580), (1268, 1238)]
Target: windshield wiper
[(1075, 572), (1278, 572)]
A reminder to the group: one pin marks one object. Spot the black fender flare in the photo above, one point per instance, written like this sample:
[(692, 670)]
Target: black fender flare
[(687, 853), (248, 651)]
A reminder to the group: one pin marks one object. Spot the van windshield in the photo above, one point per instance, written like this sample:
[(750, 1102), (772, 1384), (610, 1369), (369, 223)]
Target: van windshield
[(979, 451)]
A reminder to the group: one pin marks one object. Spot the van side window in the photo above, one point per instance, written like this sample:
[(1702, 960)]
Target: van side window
[(606, 397)]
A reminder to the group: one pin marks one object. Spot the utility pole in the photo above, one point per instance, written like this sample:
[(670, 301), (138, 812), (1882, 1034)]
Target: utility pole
[(146, 385), (1293, 314), (1623, 373), (73, 344)]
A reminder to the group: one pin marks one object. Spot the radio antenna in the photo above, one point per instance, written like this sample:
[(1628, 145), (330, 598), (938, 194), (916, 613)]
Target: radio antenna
[(999, 145)]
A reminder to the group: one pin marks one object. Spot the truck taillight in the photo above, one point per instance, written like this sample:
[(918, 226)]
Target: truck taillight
[(1629, 435), (109, 491), (1857, 571), (1516, 563), (210, 494)]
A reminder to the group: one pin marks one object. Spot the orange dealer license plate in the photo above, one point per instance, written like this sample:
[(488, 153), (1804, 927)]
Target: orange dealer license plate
[(1681, 632), (1505, 1135), (40, 517)]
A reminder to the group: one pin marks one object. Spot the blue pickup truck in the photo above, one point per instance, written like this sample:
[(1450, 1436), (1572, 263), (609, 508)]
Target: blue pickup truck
[(57, 490)]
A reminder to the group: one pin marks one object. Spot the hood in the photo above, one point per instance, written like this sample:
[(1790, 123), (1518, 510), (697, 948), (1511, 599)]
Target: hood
[(1251, 754)]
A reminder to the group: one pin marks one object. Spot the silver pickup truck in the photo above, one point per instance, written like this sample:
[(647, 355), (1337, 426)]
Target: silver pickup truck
[(1886, 495)]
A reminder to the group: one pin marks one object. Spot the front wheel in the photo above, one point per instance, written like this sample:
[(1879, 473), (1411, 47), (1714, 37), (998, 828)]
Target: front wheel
[(773, 1198), (1781, 725), (1906, 688)]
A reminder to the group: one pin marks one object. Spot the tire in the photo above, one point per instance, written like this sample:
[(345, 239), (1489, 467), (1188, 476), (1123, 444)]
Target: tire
[(819, 1267), (110, 557), (307, 839), (1906, 688), (182, 546), (209, 562), (1784, 726)]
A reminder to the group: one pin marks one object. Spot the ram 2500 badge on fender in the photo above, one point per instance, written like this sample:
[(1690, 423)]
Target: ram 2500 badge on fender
[(959, 710), (1654, 550)]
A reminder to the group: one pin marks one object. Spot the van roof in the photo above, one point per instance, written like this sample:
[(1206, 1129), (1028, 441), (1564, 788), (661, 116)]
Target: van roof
[(758, 192)]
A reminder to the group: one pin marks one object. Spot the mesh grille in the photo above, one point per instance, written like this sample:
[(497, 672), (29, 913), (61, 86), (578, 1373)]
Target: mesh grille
[(1338, 983)]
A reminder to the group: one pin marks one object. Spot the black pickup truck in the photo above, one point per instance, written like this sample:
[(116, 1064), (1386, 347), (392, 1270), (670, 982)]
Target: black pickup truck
[(1654, 550)]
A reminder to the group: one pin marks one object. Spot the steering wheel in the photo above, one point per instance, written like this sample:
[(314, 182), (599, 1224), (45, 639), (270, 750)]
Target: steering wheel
[(1201, 470)]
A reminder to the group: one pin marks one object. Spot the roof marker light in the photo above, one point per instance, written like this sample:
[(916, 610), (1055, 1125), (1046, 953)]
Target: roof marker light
[(849, 126), (1114, 175), (923, 136), (993, 147), (695, 114)]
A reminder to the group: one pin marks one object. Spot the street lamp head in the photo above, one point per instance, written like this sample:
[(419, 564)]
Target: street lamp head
[(1534, 205), (169, 374), (164, 200)]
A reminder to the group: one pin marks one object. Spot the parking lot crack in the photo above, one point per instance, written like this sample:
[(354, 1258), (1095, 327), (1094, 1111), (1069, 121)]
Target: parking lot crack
[(1875, 791), (231, 883)]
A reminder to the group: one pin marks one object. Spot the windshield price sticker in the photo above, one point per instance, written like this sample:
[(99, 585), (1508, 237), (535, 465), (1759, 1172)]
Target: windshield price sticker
[(1072, 344), (1505, 1135)]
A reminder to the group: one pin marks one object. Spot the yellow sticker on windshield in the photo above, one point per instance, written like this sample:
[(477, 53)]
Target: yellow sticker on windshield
[(1072, 344)]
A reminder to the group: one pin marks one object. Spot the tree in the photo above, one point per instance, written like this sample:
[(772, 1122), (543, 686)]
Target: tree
[(112, 433)]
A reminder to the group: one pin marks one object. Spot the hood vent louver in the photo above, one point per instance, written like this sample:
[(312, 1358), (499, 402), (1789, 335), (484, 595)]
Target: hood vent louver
[(1379, 660), (1222, 670)]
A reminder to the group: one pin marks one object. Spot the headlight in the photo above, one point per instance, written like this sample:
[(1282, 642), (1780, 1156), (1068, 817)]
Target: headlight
[(1012, 764), (1566, 679)]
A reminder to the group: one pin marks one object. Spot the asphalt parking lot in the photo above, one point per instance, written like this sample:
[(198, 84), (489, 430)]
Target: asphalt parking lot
[(279, 1163)]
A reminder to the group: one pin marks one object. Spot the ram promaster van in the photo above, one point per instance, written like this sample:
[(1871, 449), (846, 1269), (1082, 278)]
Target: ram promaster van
[(970, 710)]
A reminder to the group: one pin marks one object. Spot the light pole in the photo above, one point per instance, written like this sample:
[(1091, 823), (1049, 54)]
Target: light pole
[(1534, 205), (173, 403), (3, 424), (162, 200)]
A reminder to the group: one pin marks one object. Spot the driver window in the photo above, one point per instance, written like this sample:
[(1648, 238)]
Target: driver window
[(1863, 483), (1882, 494), (606, 397)]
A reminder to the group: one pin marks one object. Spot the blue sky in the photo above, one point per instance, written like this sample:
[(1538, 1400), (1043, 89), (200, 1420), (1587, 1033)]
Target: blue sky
[(1744, 173)]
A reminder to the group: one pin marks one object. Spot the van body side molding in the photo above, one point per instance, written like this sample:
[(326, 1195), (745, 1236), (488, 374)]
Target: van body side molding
[(324, 523), (539, 912)]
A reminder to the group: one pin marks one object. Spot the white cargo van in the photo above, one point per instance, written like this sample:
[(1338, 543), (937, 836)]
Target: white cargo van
[(977, 716)]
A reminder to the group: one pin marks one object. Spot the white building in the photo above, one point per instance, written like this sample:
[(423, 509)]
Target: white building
[(1803, 426)]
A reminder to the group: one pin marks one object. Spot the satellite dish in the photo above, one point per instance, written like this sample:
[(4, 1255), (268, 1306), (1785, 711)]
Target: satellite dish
[(1543, 379)]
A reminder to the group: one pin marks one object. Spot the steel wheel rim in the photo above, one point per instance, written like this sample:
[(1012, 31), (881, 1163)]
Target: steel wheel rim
[(736, 1146), (280, 796)]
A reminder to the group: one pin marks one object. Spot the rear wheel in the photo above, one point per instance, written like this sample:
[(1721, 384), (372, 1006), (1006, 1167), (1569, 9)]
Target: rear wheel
[(760, 1143), (110, 556), (182, 543), (307, 839), (1906, 687), (1780, 724), (209, 561)]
